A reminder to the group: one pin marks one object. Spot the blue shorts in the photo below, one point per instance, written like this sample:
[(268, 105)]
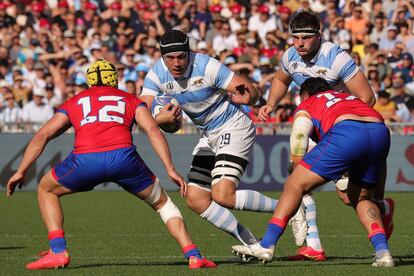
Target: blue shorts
[(358, 147), (82, 172)]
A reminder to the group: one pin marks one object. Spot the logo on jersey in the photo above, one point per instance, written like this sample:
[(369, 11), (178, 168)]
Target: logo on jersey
[(321, 72), (198, 83), (170, 86), (295, 65)]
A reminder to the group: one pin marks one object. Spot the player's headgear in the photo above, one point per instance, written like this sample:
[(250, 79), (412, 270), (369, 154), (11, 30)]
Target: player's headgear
[(314, 85), (102, 73), (174, 41), (305, 23)]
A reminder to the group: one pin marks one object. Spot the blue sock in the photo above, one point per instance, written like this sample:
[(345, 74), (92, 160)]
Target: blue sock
[(379, 241), (274, 230), (192, 251), (57, 241)]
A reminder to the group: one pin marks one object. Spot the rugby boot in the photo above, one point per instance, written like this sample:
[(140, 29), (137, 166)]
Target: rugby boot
[(48, 260), (254, 250), (195, 263), (385, 261), (308, 253), (388, 218)]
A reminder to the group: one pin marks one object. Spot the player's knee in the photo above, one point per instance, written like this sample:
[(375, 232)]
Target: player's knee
[(196, 203), (48, 185), (169, 211), (223, 198), (191, 202)]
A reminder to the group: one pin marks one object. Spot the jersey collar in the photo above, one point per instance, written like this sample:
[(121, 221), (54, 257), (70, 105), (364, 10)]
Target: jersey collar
[(315, 57)]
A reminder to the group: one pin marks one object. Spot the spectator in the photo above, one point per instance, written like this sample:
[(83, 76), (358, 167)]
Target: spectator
[(378, 31), (37, 111), (130, 87), (339, 35), (386, 107), (282, 29), (202, 18), (214, 30), (11, 113), (388, 42), (262, 23), (225, 40), (60, 14), (236, 11), (5, 19), (405, 67), (142, 70), (394, 56), (400, 97), (122, 79), (357, 24), (169, 18), (51, 98), (21, 90), (406, 36), (202, 47), (383, 67), (373, 78)]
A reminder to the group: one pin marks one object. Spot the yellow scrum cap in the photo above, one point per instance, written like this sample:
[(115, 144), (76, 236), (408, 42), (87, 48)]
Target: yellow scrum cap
[(102, 73)]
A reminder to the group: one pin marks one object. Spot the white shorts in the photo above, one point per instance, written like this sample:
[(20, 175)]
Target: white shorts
[(222, 153)]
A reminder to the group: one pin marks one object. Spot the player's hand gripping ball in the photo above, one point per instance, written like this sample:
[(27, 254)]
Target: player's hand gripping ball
[(158, 104)]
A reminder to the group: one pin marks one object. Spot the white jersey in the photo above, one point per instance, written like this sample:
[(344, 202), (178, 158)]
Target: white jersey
[(199, 92), (331, 63)]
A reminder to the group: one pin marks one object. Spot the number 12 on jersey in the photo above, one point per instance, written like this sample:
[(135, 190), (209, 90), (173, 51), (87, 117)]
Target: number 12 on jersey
[(103, 116), (332, 99)]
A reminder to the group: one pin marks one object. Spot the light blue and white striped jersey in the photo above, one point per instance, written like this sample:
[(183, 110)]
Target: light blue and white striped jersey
[(331, 63), (199, 92)]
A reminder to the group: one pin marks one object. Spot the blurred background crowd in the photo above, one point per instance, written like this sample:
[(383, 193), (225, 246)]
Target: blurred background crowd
[(47, 45)]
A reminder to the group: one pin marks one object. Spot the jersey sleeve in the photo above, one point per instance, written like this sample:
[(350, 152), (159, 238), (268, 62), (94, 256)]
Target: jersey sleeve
[(217, 74), (284, 63), (64, 108), (152, 84), (345, 66)]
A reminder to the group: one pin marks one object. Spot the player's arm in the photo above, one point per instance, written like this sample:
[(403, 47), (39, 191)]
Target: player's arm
[(158, 142), (278, 89), (58, 124), (299, 137), (359, 86), (241, 91)]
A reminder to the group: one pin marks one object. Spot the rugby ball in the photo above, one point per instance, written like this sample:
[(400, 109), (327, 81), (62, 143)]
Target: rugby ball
[(158, 104)]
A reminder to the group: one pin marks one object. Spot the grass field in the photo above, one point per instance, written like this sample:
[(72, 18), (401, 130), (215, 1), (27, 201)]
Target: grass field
[(112, 233)]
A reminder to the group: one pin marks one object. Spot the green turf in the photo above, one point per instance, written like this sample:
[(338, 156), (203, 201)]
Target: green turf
[(112, 233)]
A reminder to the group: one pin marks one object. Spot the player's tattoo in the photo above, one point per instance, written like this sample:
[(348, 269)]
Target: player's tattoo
[(372, 213), (242, 89)]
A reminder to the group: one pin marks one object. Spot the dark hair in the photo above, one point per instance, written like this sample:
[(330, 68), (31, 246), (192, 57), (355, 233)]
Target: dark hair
[(305, 21), (174, 41), (383, 94), (313, 86)]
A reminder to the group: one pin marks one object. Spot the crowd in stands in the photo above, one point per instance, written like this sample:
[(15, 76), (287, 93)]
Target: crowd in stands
[(46, 46)]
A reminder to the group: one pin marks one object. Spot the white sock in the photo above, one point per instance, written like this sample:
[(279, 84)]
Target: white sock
[(226, 221), (254, 201), (312, 238)]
